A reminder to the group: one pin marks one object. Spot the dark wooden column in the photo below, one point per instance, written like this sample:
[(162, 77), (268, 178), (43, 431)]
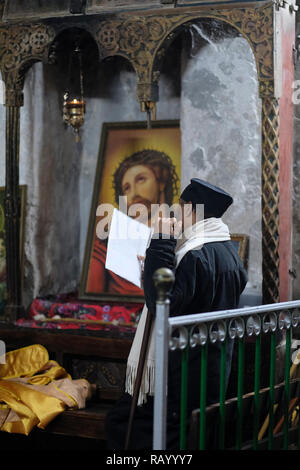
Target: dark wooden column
[(14, 100)]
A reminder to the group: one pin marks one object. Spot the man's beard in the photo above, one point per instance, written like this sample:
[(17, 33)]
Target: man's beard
[(143, 216)]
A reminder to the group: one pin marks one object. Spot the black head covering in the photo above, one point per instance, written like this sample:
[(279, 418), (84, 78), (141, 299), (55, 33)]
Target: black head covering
[(216, 201)]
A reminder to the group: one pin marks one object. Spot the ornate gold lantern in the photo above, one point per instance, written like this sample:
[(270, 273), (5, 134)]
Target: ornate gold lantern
[(74, 105)]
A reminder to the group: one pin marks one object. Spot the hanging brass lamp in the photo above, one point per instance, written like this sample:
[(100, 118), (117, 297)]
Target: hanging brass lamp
[(149, 107), (74, 104)]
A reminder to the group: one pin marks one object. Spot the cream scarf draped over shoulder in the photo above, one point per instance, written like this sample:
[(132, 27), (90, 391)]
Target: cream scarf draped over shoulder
[(206, 231)]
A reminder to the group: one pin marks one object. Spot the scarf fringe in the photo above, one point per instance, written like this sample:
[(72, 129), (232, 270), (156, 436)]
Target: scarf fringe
[(147, 384)]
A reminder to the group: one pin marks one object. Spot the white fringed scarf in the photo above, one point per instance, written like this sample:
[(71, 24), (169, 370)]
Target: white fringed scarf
[(206, 231)]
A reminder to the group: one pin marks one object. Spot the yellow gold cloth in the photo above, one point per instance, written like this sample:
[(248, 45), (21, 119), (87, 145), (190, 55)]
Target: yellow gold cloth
[(34, 390)]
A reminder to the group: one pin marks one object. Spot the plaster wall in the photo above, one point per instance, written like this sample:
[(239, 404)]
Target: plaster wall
[(50, 167), (287, 20), (215, 96)]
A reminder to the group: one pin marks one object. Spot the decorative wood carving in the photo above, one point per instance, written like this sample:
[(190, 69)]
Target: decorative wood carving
[(12, 212), (20, 46), (140, 39), (143, 40), (106, 374)]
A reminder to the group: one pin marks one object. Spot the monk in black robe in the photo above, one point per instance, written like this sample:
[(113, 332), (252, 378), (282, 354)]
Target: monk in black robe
[(209, 276)]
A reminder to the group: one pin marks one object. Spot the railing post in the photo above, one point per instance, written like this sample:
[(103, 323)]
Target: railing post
[(163, 279)]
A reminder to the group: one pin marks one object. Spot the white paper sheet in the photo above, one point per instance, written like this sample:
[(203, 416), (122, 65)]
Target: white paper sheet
[(127, 239)]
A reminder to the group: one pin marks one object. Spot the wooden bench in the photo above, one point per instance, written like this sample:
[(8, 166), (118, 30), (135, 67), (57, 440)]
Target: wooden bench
[(80, 353)]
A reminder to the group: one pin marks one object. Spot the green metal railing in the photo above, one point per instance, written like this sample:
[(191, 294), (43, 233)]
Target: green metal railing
[(271, 408)]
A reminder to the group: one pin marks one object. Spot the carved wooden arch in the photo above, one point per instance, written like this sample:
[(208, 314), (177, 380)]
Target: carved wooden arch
[(260, 40), (20, 47), (140, 40)]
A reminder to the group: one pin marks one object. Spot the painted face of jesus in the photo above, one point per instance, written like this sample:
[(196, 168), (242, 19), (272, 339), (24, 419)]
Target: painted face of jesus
[(141, 186)]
